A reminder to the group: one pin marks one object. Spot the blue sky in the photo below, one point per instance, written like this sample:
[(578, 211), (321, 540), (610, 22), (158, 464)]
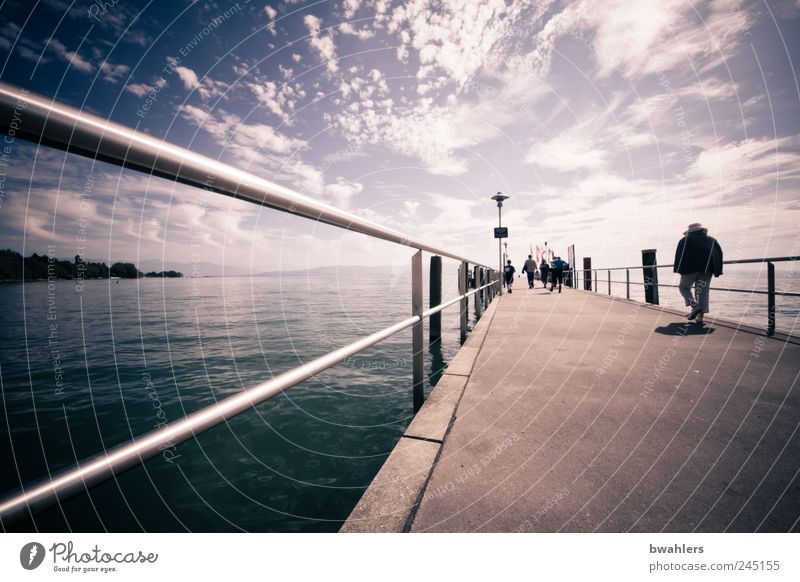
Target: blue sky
[(612, 124)]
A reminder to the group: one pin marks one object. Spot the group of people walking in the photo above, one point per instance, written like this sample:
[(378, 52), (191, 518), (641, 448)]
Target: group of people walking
[(554, 273), (698, 258)]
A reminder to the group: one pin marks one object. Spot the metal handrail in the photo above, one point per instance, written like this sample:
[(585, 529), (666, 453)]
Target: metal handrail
[(44, 121), (652, 282), (728, 262), (112, 463), (69, 129), (726, 289)]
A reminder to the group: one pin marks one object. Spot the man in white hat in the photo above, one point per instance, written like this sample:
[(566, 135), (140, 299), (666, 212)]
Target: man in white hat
[(697, 259)]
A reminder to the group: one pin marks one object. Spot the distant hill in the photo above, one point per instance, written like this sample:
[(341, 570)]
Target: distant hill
[(349, 270)]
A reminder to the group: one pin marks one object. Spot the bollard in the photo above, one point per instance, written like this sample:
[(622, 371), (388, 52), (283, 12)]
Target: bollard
[(587, 273), (417, 357), (435, 298), (476, 274), (463, 280), (650, 276), (770, 299)]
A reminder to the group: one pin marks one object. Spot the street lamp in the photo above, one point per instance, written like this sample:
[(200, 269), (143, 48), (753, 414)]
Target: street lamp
[(499, 197)]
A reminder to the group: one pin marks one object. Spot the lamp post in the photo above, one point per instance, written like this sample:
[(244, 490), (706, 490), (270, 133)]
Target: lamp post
[(499, 197)]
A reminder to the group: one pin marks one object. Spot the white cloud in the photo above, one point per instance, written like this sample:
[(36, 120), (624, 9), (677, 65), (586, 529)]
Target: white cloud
[(72, 57), (342, 191), (258, 145), (142, 89), (187, 76), (322, 43), (568, 151), (281, 100), (748, 163), (113, 73), (351, 7), (207, 88)]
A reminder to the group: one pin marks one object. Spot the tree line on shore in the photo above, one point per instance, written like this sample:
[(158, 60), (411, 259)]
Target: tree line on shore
[(15, 267)]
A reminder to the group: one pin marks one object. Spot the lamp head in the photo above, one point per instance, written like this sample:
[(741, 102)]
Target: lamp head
[(499, 197)]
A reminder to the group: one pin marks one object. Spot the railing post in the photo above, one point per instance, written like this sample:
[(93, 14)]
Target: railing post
[(609, 281), (627, 283), (476, 273), (587, 273), (594, 275), (418, 362), (435, 298), (650, 276), (770, 299), (463, 271)]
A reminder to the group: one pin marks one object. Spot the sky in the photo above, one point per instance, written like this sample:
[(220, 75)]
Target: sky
[(611, 125)]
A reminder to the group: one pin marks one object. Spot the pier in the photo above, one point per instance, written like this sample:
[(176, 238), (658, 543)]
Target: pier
[(561, 412), (578, 412)]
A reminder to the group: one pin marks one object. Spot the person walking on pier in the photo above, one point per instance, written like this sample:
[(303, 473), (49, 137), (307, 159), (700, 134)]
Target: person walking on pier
[(544, 270), (557, 273), (698, 258), (509, 275), (530, 268)]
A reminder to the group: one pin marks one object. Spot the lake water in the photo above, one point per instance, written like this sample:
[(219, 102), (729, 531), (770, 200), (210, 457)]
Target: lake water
[(83, 372), (119, 359)]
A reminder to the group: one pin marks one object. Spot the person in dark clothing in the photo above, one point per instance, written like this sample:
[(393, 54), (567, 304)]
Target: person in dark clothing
[(698, 257), (508, 272), (557, 273), (544, 271), (530, 268)]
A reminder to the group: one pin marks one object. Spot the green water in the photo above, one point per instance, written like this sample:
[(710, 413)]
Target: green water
[(82, 372)]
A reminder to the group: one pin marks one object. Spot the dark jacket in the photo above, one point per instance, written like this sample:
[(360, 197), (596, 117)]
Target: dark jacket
[(698, 253)]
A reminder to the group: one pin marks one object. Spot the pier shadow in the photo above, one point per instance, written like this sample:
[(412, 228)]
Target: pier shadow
[(681, 329)]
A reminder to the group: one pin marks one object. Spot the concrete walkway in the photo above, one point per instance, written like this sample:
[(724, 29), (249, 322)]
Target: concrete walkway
[(582, 413)]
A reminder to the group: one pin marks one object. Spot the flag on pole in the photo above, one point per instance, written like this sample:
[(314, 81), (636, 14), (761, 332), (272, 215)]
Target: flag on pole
[(538, 254)]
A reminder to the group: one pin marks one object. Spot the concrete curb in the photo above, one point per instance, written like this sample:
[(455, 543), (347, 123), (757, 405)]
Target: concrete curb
[(391, 500)]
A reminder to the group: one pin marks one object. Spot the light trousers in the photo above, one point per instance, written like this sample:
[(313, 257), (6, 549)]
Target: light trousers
[(702, 285)]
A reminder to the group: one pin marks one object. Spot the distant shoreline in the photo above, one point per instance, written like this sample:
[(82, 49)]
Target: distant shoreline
[(14, 268)]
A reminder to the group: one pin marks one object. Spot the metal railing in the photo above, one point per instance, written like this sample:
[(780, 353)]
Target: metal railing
[(43, 121), (770, 292)]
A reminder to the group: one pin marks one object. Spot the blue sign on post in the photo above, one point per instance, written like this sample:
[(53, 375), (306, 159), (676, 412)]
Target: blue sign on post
[(501, 232)]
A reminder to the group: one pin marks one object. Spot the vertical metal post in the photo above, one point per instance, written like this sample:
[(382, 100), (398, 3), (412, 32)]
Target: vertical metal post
[(418, 362), (500, 242), (770, 299), (463, 274), (587, 273), (594, 274), (476, 273), (435, 298), (627, 283), (650, 276), (609, 281)]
